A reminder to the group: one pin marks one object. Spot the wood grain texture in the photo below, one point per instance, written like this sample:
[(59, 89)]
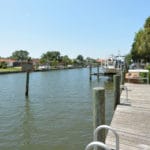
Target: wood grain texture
[(132, 119)]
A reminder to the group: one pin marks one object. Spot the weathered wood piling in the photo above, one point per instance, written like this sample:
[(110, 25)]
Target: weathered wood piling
[(90, 72), (122, 77), (99, 111), (116, 83), (27, 83)]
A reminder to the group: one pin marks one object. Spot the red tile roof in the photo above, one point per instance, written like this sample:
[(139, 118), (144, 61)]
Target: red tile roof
[(7, 60)]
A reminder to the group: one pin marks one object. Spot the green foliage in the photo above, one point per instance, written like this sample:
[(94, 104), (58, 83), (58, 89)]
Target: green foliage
[(137, 50), (80, 58), (147, 23), (90, 60), (20, 55), (148, 67), (141, 45), (128, 59), (10, 69), (79, 61), (143, 75), (54, 58), (3, 65), (54, 63), (50, 57), (65, 60)]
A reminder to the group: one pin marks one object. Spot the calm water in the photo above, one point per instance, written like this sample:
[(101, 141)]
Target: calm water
[(56, 116)]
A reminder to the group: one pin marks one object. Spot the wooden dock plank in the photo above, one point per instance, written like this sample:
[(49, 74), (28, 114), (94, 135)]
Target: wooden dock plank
[(132, 121)]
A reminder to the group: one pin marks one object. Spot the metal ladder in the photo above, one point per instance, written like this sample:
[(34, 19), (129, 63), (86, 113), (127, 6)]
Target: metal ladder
[(101, 144), (96, 143)]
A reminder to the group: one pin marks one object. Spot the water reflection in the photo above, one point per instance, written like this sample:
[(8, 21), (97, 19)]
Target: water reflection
[(101, 81), (58, 110), (107, 84), (28, 122)]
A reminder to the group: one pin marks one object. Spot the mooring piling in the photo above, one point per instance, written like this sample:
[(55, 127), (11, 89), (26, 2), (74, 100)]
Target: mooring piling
[(27, 84), (99, 111), (90, 71), (122, 77), (116, 80)]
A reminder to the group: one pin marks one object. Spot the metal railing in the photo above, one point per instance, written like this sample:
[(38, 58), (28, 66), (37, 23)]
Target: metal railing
[(123, 87), (108, 128), (96, 143), (101, 144)]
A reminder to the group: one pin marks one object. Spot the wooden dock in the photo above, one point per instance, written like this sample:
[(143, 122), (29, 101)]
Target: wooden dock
[(132, 119), (106, 72)]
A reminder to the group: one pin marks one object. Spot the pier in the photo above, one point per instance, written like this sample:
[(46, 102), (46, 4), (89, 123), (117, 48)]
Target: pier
[(132, 119), (105, 72)]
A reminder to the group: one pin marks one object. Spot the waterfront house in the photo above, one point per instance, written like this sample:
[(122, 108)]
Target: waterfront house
[(8, 61)]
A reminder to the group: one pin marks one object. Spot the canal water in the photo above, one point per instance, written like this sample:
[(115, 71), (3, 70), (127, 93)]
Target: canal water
[(57, 115)]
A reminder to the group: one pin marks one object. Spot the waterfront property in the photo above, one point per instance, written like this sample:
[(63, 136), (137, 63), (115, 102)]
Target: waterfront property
[(108, 67), (9, 62), (132, 119)]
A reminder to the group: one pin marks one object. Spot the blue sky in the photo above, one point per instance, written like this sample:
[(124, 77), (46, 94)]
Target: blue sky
[(92, 28)]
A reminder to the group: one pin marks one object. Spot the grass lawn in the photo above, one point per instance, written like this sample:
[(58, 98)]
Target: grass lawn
[(10, 69)]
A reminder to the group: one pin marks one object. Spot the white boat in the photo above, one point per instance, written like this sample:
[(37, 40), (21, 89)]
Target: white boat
[(113, 64)]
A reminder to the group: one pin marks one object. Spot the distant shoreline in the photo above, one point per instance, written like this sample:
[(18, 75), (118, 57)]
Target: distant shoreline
[(12, 72)]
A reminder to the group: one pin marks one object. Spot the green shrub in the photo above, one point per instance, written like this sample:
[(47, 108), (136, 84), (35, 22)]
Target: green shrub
[(3, 64), (144, 75), (148, 67)]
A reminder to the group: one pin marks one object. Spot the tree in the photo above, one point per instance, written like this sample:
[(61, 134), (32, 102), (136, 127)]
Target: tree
[(50, 57), (80, 58), (128, 61), (137, 50), (79, 61), (66, 60), (147, 38), (20, 55), (90, 60), (141, 45), (3, 64), (147, 23)]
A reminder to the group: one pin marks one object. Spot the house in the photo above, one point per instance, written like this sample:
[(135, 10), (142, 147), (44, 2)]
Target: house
[(35, 61), (101, 61), (10, 62)]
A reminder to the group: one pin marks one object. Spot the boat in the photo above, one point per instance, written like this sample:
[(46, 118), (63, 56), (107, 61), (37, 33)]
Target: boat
[(113, 65)]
